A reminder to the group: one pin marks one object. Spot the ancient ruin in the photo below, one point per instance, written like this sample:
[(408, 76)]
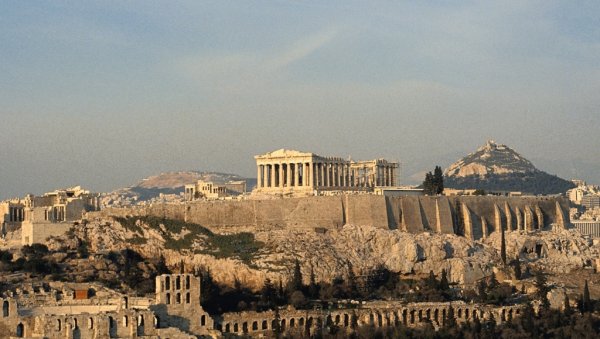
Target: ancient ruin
[(288, 172)]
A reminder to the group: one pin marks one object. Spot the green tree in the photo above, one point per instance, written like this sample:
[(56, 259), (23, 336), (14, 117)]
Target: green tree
[(438, 180), (313, 287), (296, 283), (428, 186), (586, 301), (268, 294)]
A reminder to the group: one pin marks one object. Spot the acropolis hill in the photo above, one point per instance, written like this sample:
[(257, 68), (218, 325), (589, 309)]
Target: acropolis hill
[(324, 218)]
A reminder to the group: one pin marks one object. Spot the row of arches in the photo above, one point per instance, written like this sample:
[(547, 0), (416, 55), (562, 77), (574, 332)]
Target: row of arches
[(379, 318)]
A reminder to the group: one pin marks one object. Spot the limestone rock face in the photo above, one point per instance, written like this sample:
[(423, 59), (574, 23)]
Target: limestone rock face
[(331, 254), (558, 251)]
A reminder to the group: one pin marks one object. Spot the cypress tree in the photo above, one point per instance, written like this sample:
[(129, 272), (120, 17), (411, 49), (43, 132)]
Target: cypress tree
[(296, 283), (351, 282), (438, 180), (587, 303), (428, 185), (313, 288)]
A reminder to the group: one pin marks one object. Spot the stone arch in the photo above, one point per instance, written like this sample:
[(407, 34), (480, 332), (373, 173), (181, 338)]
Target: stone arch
[(300, 322), (20, 330), (436, 314), (371, 319), (459, 313), (178, 283), (168, 283), (503, 315), (292, 322), (274, 323), (405, 316), (338, 319), (346, 320), (5, 309), (90, 323), (283, 324), (125, 302), (125, 321), (187, 282), (420, 315), (264, 325), (428, 314), (309, 322), (379, 319), (178, 298), (58, 325), (510, 313), (444, 316), (75, 324), (227, 328), (187, 298), (245, 327), (466, 313), (236, 328), (203, 320), (412, 316), (168, 295), (255, 325)]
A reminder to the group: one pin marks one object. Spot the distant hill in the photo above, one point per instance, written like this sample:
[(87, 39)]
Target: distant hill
[(497, 167), (170, 183)]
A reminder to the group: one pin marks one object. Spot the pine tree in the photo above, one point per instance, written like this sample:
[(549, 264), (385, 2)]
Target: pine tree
[(587, 303), (502, 245)]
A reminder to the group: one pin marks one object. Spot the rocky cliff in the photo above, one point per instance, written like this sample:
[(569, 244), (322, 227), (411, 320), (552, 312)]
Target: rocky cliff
[(497, 167), (252, 258)]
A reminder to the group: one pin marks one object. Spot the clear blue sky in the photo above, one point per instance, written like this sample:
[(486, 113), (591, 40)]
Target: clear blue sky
[(105, 93)]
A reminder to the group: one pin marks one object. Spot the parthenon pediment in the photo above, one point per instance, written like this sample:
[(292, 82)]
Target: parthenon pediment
[(283, 153)]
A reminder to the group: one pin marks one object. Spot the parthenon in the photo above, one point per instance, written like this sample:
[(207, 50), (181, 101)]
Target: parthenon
[(296, 173)]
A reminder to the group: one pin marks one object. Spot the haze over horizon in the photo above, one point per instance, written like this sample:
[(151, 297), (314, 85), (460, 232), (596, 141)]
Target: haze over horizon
[(103, 94)]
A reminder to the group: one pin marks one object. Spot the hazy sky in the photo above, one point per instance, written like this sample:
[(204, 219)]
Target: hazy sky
[(103, 94)]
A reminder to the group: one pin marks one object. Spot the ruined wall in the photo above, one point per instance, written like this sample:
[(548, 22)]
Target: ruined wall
[(38, 232), (473, 217), (307, 322)]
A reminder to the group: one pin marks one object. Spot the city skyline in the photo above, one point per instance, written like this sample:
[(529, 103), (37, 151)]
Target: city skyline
[(105, 94)]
